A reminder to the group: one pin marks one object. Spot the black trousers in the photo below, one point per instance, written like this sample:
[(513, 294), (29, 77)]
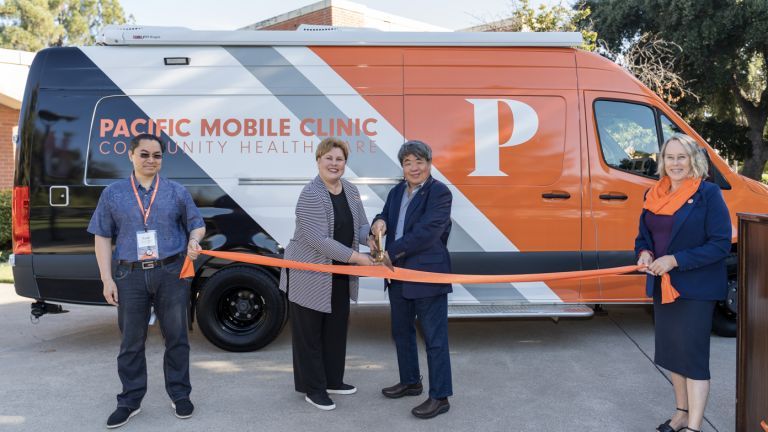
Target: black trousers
[(320, 342)]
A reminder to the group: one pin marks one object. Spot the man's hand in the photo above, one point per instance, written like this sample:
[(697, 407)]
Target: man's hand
[(379, 226), (663, 265), (193, 249), (110, 291)]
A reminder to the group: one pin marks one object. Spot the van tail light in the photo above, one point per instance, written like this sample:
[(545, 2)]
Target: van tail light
[(20, 217)]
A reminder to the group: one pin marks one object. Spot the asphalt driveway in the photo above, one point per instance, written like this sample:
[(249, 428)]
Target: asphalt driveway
[(509, 375)]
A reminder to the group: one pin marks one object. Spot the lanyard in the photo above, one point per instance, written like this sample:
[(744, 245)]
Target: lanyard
[(145, 213)]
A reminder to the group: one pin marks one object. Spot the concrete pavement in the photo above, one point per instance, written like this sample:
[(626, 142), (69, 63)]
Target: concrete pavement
[(509, 375)]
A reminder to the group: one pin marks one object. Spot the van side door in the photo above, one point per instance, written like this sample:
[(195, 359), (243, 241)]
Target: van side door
[(624, 135)]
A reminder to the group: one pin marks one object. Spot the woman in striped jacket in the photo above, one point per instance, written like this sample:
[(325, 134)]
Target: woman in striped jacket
[(330, 221)]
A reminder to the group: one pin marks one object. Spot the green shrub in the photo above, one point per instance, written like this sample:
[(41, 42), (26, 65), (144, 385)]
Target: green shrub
[(5, 219)]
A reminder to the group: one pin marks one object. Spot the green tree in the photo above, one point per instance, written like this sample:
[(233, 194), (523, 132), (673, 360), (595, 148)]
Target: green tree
[(32, 25), (524, 18), (722, 58)]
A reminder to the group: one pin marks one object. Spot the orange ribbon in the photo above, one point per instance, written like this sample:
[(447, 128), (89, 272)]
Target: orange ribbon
[(668, 293), (402, 274)]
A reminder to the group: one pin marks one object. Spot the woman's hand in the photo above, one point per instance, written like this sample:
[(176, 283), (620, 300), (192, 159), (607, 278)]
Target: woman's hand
[(663, 265), (645, 259), (361, 259)]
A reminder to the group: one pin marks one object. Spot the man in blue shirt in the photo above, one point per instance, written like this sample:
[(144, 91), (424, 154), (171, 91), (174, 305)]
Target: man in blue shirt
[(154, 223)]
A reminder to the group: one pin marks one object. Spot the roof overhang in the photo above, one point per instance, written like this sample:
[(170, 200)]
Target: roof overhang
[(14, 68)]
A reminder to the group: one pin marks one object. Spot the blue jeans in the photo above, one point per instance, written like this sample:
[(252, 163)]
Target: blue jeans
[(137, 290), (432, 313)]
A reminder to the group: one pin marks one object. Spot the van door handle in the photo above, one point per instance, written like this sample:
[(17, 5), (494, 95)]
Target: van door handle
[(614, 196), (58, 196), (556, 195)]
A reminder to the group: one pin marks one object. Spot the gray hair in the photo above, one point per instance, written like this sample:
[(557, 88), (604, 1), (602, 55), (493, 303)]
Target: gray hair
[(416, 148), (696, 154)]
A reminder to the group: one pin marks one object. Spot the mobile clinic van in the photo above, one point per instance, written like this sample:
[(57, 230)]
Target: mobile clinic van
[(547, 150)]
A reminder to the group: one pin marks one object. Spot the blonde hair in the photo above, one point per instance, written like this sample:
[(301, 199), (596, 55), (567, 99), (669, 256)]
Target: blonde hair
[(696, 154), (329, 144)]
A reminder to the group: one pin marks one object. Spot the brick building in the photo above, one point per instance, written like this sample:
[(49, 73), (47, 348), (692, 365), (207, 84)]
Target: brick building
[(14, 66), (343, 14)]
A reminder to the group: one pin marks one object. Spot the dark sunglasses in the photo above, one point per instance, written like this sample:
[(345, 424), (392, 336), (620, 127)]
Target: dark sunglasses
[(156, 156)]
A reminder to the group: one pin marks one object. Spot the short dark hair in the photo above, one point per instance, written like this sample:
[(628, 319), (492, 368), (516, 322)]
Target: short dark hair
[(145, 136), (417, 148)]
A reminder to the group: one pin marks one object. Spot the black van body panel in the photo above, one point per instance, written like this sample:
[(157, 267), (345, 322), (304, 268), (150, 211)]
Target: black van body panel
[(56, 121)]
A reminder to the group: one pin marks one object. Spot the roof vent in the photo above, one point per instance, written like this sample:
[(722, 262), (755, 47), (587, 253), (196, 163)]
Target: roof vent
[(326, 28)]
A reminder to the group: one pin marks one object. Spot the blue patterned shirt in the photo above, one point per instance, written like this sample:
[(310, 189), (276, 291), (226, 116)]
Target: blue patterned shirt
[(173, 215)]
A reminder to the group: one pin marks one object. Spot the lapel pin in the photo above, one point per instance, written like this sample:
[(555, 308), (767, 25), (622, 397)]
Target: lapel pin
[(690, 201)]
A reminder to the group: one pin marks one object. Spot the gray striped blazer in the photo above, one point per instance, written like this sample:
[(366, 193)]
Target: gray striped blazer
[(313, 242)]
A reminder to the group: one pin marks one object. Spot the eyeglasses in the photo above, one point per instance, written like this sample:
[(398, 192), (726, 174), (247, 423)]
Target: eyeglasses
[(156, 156)]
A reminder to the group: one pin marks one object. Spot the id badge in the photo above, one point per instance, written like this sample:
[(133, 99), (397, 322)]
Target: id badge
[(146, 245)]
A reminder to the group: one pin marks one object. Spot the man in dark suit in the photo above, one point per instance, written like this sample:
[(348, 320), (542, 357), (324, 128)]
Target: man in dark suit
[(417, 221)]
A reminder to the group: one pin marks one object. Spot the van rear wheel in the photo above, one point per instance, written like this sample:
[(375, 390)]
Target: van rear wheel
[(724, 322), (241, 309)]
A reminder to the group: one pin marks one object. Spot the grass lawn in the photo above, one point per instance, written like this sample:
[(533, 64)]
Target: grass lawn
[(6, 274)]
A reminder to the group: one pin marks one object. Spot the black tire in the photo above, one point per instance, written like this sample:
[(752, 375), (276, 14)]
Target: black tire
[(725, 320), (241, 309)]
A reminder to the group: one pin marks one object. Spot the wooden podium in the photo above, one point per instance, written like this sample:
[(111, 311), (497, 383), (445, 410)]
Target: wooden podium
[(752, 344)]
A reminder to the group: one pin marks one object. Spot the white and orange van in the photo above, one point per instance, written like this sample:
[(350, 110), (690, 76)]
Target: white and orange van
[(547, 149)]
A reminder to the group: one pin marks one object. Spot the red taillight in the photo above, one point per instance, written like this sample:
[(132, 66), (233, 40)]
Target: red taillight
[(20, 216)]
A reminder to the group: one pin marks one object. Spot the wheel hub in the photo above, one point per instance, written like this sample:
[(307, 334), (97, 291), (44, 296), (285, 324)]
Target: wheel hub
[(240, 309)]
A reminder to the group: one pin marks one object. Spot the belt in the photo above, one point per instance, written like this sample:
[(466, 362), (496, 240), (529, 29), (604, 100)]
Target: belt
[(150, 264)]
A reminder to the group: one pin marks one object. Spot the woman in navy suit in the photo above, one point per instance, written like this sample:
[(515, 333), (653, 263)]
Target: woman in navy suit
[(684, 239)]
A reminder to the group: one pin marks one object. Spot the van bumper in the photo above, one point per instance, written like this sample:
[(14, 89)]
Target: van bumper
[(23, 276)]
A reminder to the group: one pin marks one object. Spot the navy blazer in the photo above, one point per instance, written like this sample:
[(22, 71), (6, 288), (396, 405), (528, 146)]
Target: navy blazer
[(424, 244), (700, 242)]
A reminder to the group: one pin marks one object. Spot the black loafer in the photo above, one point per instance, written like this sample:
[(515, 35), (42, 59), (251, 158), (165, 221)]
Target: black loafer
[(399, 390), (431, 408)]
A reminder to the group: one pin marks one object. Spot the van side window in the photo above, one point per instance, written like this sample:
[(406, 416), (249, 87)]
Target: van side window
[(668, 128), (628, 136)]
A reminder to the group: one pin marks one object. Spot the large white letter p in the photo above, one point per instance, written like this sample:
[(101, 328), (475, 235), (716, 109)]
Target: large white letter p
[(487, 131)]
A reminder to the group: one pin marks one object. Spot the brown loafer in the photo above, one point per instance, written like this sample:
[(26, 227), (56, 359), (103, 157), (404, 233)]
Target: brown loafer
[(431, 408), (399, 390)]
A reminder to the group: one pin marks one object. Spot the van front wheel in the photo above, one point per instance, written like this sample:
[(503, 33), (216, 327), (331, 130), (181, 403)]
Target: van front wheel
[(241, 309), (724, 323)]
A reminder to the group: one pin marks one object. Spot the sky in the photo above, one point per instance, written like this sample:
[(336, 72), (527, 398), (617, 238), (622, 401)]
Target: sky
[(233, 14)]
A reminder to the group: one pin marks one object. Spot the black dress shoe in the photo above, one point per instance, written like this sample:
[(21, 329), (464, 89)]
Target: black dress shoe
[(431, 408), (399, 390)]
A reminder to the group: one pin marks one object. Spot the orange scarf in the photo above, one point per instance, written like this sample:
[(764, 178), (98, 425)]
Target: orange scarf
[(661, 201)]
